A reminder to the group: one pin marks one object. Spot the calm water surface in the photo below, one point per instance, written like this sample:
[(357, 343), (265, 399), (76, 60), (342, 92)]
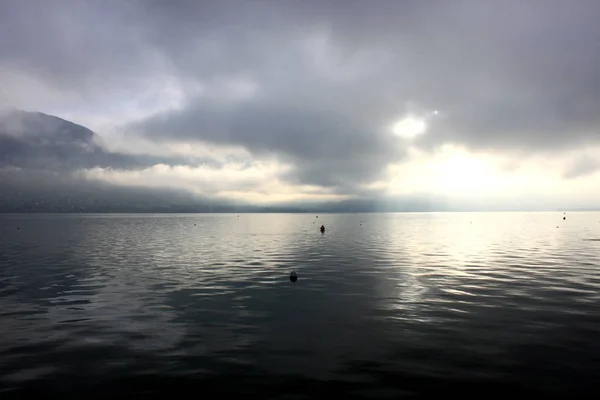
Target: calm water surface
[(402, 304)]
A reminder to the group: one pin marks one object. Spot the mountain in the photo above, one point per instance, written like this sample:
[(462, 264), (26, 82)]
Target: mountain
[(43, 127), (40, 156), (41, 141)]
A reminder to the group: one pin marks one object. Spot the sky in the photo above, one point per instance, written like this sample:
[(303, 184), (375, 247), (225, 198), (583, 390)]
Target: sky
[(277, 102)]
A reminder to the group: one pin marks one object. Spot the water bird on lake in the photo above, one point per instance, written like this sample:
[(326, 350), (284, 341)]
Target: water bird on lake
[(293, 276), (322, 228)]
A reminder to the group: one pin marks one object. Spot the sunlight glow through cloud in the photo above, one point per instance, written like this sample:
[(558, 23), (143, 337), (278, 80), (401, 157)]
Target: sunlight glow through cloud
[(456, 171), (409, 127)]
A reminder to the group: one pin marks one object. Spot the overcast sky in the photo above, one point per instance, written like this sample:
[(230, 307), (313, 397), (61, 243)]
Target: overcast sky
[(276, 101)]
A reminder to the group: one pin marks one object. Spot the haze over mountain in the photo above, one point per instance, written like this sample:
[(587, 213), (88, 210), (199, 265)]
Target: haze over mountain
[(299, 105)]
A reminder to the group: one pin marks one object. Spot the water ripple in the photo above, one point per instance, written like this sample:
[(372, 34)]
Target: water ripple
[(398, 305)]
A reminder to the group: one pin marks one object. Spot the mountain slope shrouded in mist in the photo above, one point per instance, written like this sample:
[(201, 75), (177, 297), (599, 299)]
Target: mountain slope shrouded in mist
[(41, 157), (34, 140)]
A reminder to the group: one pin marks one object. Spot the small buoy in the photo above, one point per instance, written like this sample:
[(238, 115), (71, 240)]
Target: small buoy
[(293, 276)]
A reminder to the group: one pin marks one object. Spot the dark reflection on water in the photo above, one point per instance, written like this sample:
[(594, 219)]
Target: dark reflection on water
[(404, 303)]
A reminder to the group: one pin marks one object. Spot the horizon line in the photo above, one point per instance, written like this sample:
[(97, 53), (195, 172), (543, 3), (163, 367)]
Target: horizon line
[(297, 212)]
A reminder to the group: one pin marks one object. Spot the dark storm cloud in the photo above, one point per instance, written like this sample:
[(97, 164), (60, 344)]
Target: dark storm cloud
[(74, 46), (506, 74), (328, 147), (509, 75), (513, 76)]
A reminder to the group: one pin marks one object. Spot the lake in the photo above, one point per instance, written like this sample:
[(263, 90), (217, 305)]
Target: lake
[(385, 304)]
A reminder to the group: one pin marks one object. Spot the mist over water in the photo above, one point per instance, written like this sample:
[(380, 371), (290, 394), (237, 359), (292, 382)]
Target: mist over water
[(384, 305)]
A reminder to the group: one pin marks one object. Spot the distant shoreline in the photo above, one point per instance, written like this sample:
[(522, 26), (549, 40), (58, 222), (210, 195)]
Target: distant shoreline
[(292, 212)]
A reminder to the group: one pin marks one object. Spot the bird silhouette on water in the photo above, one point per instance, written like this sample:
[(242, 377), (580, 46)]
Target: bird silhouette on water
[(322, 228), (293, 276)]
